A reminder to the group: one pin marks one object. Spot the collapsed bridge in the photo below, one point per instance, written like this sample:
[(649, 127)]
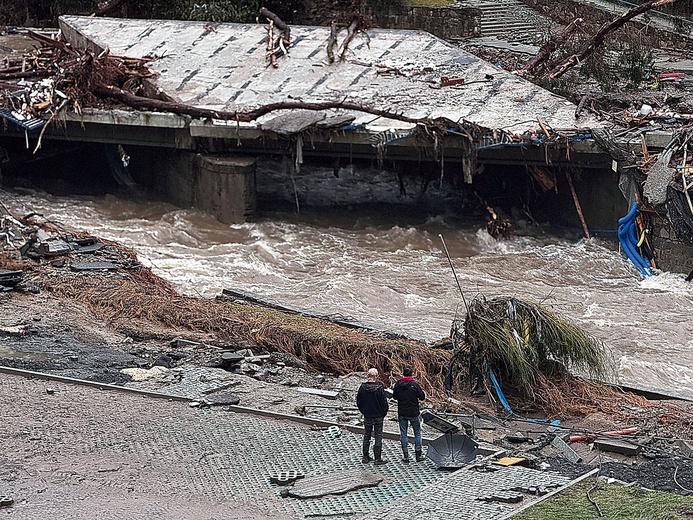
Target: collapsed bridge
[(408, 98)]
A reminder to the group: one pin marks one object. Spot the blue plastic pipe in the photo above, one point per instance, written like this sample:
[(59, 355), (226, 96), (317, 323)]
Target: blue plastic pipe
[(628, 239)]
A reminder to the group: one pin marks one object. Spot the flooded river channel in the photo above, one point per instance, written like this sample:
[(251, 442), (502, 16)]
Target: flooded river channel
[(388, 271)]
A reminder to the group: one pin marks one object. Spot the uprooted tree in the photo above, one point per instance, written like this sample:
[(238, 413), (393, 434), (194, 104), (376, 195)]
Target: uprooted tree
[(520, 342)]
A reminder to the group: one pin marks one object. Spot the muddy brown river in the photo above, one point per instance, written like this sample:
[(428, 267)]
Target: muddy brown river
[(387, 270)]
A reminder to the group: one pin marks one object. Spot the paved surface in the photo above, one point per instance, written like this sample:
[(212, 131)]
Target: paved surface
[(470, 494), (75, 452), (224, 67)]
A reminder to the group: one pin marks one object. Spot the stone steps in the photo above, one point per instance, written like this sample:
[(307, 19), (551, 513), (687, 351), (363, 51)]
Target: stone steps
[(509, 19)]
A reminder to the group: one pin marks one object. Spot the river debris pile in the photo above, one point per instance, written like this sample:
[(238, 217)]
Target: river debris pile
[(658, 185), (70, 78), (32, 244)]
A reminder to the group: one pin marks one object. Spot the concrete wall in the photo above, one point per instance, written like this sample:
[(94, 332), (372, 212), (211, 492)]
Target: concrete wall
[(225, 187), (445, 22), (672, 254), (222, 185)]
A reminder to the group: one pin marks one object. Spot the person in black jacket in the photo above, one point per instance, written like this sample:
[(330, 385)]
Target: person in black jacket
[(408, 393), (372, 403)]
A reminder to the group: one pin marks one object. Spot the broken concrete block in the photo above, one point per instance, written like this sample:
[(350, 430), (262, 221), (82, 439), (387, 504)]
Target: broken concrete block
[(685, 447), (230, 360), (180, 343), (565, 450), (54, 247), (617, 446), (327, 394), (222, 399)]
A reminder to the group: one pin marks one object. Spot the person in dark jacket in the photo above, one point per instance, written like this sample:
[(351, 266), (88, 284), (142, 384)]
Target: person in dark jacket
[(372, 403), (408, 393)]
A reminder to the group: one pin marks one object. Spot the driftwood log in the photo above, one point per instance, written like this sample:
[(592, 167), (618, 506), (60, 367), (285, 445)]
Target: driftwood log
[(592, 44), (277, 45), (357, 25), (549, 47), (139, 102), (278, 22), (332, 42)]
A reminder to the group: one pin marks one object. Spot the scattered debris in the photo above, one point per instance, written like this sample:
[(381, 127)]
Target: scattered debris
[(332, 432), (142, 374), (303, 409), (685, 447), (510, 461), (285, 477), (521, 340), (9, 278), (506, 497)]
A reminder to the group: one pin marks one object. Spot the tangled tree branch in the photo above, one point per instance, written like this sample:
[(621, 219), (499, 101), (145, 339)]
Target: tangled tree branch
[(591, 45)]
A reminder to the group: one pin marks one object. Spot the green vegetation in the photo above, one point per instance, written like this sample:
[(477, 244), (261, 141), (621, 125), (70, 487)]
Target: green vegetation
[(615, 502), (520, 340), (46, 12)]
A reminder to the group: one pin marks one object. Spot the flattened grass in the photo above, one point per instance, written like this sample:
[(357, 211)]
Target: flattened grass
[(616, 502)]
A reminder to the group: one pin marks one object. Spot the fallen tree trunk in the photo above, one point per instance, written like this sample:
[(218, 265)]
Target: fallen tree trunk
[(278, 22), (108, 91), (550, 46), (591, 45)]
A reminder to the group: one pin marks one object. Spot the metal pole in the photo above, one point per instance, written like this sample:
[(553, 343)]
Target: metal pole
[(453, 272)]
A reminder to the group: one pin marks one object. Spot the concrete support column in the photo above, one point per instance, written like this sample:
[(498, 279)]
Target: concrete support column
[(225, 187)]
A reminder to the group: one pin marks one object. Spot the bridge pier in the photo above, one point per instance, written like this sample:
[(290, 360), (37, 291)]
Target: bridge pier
[(225, 187)]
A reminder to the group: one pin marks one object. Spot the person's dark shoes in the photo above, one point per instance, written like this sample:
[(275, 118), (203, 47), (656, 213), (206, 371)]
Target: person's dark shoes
[(405, 458), (377, 451), (419, 456), (366, 459)]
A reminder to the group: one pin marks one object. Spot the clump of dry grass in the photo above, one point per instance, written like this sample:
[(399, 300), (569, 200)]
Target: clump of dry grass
[(327, 347), (11, 261)]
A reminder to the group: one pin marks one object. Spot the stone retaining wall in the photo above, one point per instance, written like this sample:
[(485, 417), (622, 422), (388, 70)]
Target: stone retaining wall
[(444, 22)]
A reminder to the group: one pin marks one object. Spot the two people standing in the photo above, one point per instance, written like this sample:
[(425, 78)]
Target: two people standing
[(372, 403)]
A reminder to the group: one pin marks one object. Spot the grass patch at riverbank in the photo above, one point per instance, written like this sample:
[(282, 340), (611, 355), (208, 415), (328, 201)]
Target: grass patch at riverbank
[(614, 501)]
